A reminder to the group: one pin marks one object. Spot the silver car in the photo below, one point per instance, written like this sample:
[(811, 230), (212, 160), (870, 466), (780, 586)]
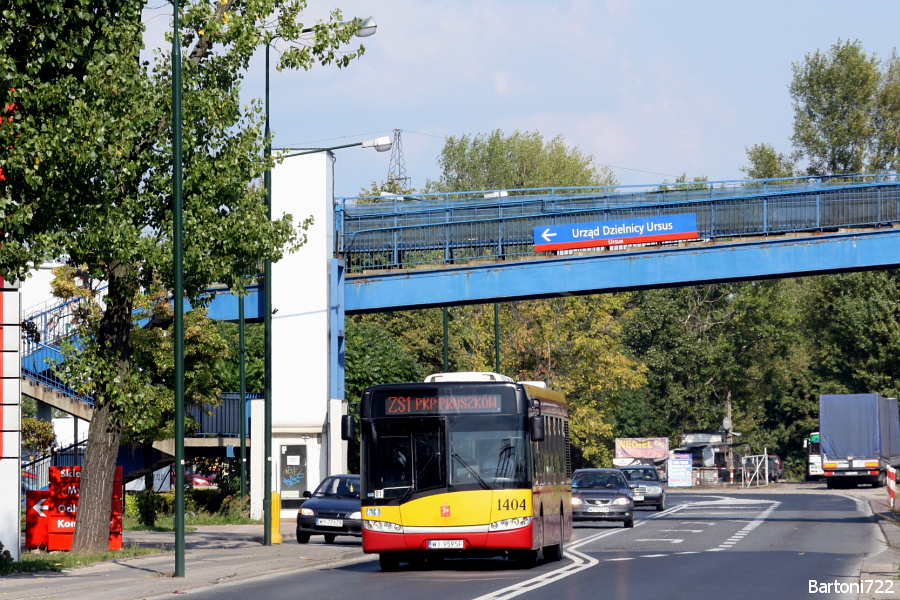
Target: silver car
[(646, 487), (601, 495)]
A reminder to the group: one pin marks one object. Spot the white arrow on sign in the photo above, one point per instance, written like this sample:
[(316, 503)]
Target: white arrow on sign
[(39, 507), (547, 235)]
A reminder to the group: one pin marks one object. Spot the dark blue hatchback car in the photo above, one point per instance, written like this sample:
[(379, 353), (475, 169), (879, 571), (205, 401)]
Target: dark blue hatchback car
[(332, 510)]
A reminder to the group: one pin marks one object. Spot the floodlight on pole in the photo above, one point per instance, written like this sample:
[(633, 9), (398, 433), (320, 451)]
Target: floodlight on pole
[(178, 293), (367, 28)]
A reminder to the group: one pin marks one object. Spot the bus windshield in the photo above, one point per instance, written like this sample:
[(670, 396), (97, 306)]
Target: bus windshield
[(405, 456), (488, 452), (410, 455)]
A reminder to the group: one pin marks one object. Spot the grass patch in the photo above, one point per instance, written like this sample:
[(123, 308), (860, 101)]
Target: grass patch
[(167, 523), (33, 562)]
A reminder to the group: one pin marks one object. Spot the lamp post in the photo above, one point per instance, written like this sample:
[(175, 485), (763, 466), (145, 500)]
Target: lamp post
[(367, 28), (178, 260)]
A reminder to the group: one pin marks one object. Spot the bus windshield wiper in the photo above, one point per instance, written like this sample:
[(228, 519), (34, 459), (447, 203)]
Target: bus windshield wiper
[(470, 470), (415, 485)]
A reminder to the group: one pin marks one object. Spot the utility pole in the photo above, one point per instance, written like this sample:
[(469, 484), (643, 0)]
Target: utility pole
[(397, 167)]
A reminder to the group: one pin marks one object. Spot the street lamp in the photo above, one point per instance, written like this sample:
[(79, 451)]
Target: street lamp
[(178, 303), (382, 144), (367, 28)]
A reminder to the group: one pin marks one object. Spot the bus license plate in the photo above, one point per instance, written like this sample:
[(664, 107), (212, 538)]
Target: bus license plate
[(330, 522), (446, 544), (638, 497), (599, 509)]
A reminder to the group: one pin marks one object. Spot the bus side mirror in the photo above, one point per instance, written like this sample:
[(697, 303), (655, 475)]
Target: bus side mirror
[(348, 431), (537, 428), (805, 443)]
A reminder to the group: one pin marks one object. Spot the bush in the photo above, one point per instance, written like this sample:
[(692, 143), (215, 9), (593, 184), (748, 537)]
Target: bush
[(235, 506), (5, 556), (207, 500), (148, 504)]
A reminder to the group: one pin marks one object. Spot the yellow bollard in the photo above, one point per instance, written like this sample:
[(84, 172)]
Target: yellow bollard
[(276, 518)]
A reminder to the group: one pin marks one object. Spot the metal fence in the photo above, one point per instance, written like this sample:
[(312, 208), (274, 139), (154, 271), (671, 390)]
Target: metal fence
[(38, 469), (755, 470), (430, 229), (223, 420)]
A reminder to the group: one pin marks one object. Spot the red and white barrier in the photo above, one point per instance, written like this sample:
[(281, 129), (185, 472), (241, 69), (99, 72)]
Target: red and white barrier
[(892, 485)]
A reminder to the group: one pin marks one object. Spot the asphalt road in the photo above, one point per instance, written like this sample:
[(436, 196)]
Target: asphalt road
[(703, 546)]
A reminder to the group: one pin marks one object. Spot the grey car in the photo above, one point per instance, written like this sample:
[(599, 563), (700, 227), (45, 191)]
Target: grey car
[(646, 487), (601, 495)]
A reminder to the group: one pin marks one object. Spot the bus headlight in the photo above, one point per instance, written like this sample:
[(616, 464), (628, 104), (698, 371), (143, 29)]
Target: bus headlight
[(383, 526), (507, 524)]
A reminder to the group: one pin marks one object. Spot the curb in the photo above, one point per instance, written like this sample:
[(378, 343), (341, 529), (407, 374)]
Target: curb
[(878, 574)]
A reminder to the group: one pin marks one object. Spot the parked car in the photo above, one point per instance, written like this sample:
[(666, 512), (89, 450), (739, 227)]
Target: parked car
[(776, 469), (646, 487), (601, 495), (332, 510)]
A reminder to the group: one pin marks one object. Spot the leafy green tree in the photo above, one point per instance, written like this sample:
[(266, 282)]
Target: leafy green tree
[(765, 163), (37, 436), (708, 346), (834, 96), (853, 322), (391, 187), (228, 366), (887, 118), (87, 171), (521, 160)]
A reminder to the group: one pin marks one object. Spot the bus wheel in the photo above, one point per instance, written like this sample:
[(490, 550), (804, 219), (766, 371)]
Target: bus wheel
[(555, 552), (389, 562)]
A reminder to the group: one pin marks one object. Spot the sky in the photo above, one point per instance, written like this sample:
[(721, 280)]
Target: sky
[(651, 89)]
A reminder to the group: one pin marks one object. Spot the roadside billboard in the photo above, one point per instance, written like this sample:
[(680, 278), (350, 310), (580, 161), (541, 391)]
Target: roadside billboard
[(656, 448), (679, 467)]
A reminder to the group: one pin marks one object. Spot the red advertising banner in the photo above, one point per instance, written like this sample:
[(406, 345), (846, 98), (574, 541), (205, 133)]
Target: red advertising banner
[(642, 447), (50, 514)]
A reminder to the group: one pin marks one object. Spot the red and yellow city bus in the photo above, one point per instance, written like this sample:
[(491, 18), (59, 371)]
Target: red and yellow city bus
[(464, 465)]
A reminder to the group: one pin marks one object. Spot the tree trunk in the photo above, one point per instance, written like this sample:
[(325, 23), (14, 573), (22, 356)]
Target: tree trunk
[(147, 453), (105, 431)]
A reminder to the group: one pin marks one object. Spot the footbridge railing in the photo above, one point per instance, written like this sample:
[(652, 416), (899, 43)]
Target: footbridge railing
[(396, 232)]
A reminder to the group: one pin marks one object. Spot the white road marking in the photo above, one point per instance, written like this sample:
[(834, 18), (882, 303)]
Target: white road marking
[(747, 528), (690, 530), (674, 541), (580, 562), (688, 552)]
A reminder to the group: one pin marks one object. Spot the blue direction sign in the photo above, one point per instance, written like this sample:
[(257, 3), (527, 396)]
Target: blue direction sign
[(615, 233)]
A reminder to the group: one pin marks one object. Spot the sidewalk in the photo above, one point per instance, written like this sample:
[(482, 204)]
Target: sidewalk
[(879, 573), (213, 555)]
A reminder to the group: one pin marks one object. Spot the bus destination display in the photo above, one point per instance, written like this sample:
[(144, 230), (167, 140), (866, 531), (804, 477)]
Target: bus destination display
[(429, 405)]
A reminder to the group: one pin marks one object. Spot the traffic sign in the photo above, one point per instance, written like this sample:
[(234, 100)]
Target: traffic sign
[(642, 230)]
